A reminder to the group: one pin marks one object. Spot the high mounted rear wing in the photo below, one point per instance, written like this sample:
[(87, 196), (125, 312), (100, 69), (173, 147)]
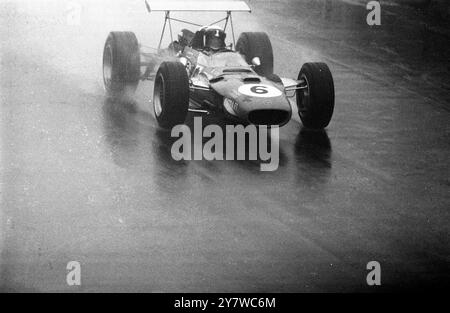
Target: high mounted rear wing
[(208, 6), (196, 6)]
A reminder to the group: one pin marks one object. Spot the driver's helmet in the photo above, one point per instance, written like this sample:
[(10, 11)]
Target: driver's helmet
[(214, 38)]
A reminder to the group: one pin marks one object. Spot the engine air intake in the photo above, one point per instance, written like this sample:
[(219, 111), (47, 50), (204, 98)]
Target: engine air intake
[(252, 80)]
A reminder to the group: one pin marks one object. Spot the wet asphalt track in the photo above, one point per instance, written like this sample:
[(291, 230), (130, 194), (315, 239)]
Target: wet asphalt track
[(92, 180)]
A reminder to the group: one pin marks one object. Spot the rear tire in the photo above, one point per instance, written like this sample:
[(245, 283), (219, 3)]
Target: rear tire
[(257, 44), (316, 103), (121, 63), (171, 94)]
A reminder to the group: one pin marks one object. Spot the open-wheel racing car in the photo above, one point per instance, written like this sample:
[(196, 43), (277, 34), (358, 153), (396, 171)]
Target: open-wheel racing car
[(199, 72)]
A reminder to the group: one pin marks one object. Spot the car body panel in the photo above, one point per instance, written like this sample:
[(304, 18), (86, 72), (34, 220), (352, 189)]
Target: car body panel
[(244, 100), (242, 90)]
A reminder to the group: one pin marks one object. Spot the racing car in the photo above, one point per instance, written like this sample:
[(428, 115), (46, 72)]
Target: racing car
[(199, 72)]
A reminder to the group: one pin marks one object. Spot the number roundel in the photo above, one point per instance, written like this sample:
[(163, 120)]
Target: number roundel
[(259, 90)]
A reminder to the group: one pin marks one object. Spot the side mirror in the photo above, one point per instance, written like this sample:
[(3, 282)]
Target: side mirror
[(256, 61)]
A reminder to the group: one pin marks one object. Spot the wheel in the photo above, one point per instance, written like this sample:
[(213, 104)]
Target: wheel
[(121, 62), (171, 94), (257, 44), (315, 103)]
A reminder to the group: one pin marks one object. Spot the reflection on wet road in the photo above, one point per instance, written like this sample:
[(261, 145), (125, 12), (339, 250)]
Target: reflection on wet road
[(91, 179)]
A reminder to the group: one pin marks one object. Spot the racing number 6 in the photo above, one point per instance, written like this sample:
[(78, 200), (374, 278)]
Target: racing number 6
[(260, 89)]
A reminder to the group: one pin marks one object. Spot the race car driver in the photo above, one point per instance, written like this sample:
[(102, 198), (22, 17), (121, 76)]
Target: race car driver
[(214, 39)]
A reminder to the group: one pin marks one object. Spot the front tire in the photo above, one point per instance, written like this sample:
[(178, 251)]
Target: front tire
[(257, 44), (315, 103), (171, 94), (121, 62)]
